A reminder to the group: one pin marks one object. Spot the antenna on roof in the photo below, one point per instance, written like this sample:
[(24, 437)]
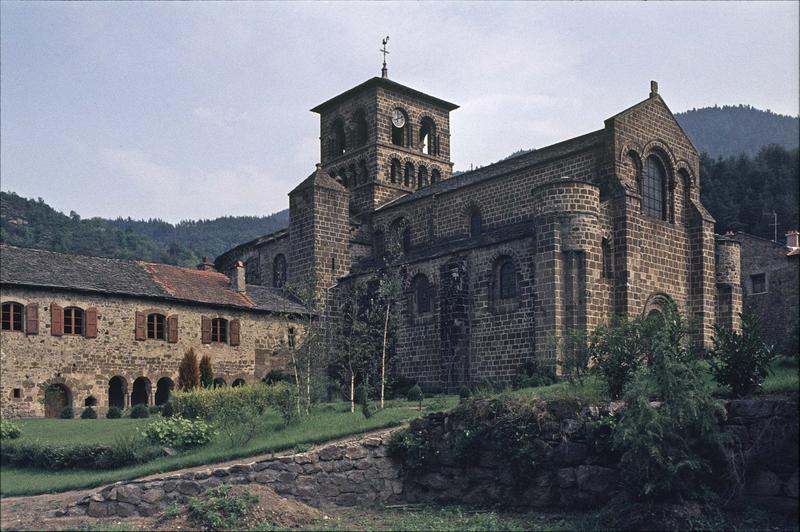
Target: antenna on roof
[(384, 70)]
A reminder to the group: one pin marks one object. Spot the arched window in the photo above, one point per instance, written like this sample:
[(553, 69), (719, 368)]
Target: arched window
[(164, 388), (395, 171), (401, 236), (427, 137), (408, 175), (279, 271), (141, 391), (435, 176), (12, 316), (399, 127), (363, 172), (219, 330), (422, 294), (117, 391), (361, 128), (338, 138), (219, 382), (475, 222), (90, 401), (405, 241), (654, 188), (607, 258), (505, 279), (156, 327), (422, 177), (73, 320)]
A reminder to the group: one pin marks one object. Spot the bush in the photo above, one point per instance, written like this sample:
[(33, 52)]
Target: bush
[(206, 372), (179, 432), (67, 413), (668, 447), (399, 387), (531, 374), (413, 450), (140, 411), (574, 356), (741, 361), (89, 413), (168, 409), (464, 393), (36, 455), (154, 409), (276, 375), (188, 372), (283, 398), (221, 508), (9, 430), (114, 412), (414, 393), (203, 403), (619, 349)]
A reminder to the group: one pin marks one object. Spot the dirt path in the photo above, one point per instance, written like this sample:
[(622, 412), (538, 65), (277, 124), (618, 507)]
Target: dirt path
[(35, 512)]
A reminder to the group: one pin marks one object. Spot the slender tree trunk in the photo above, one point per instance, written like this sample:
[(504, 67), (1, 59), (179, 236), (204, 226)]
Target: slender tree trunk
[(308, 384), (352, 392), (383, 355), (296, 379)]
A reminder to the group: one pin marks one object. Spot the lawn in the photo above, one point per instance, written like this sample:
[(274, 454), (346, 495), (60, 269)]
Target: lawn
[(326, 422)]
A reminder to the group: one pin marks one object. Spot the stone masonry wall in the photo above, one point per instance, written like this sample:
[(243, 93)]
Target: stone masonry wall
[(575, 471), (85, 365)]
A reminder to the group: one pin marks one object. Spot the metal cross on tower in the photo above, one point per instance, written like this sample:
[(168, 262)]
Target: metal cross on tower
[(384, 70)]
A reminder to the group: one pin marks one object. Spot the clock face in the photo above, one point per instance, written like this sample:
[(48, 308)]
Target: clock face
[(398, 119)]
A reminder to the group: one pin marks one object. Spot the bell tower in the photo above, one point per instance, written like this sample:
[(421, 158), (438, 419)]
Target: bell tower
[(381, 140)]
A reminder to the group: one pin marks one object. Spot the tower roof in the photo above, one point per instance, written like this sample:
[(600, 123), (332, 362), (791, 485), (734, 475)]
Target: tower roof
[(387, 84)]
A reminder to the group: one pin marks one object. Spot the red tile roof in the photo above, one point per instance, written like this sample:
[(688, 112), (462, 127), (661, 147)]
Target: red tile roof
[(196, 285)]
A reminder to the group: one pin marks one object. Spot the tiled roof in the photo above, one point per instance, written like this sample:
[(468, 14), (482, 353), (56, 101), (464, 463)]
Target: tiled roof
[(33, 267)]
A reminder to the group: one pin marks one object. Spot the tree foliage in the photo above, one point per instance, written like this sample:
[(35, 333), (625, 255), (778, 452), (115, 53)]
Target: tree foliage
[(188, 371), (206, 372), (741, 361)]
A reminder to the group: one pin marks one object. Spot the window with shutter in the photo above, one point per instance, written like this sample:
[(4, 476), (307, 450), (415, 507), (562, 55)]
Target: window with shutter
[(74, 321), (156, 326), (172, 329), (32, 318), (12, 316), (91, 323), (205, 330), (219, 330), (235, 328), (56, 320), (140, 331)]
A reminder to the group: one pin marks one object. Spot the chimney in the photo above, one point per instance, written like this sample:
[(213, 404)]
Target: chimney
[(792, 239), (653, 88), (237, 277), (206, 265)]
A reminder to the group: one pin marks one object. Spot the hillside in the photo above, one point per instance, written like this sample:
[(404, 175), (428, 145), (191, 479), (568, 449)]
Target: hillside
[(34, 224), (730, 130)]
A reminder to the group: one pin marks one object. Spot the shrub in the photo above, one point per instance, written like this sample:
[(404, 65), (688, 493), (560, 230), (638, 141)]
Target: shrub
[(283, 398), (574, 356), (154, 409), (668, 446), (464, 393), (168, 409), (619, 349), (114, 412), (206, 403), (206, 372), (89, 413), (67, 413), (179, 432), (221, 508), (414, 393), (412, 449), (9, 430), (276, 375), (741, 361), (140, 411), (36, 455), (398, 387), (531, 374), (188, 372)]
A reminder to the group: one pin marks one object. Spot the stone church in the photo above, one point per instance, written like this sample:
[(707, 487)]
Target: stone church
[(500, 261)]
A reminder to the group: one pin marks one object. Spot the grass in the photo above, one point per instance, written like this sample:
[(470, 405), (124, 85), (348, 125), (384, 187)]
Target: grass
[(326, 422), (593, 390), (784, 377)]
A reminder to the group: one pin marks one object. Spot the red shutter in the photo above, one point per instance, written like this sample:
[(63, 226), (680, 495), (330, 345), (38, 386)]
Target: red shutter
[(140, 332), (91, 323), (172, 329), (32, 318), (205, 330), (56, 320), (234, 330)]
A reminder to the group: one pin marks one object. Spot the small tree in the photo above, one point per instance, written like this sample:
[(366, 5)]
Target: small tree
[(617, 350), (206, 372), (188, 372), (741, 360)]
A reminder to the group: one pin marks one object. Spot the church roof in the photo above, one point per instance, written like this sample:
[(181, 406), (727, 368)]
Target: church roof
[(320, 179), (500, 168), (387, 84), (47, 269)]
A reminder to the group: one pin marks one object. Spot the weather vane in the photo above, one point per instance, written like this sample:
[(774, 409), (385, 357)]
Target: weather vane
[(384, 70)]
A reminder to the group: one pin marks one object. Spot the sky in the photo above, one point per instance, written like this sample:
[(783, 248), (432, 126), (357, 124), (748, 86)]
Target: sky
[(189, 110)]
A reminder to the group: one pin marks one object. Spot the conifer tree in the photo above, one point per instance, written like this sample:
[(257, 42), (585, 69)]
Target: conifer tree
[(188, 372), (206, 372)]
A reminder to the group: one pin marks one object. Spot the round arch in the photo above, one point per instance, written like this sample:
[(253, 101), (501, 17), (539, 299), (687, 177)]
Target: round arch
[(57, 396), (117, 391)]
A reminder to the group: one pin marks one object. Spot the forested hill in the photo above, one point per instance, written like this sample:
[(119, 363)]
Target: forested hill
[(730, 130), (34, 224)]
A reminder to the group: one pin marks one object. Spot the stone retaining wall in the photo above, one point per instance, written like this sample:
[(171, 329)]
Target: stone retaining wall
[(342, 474)]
